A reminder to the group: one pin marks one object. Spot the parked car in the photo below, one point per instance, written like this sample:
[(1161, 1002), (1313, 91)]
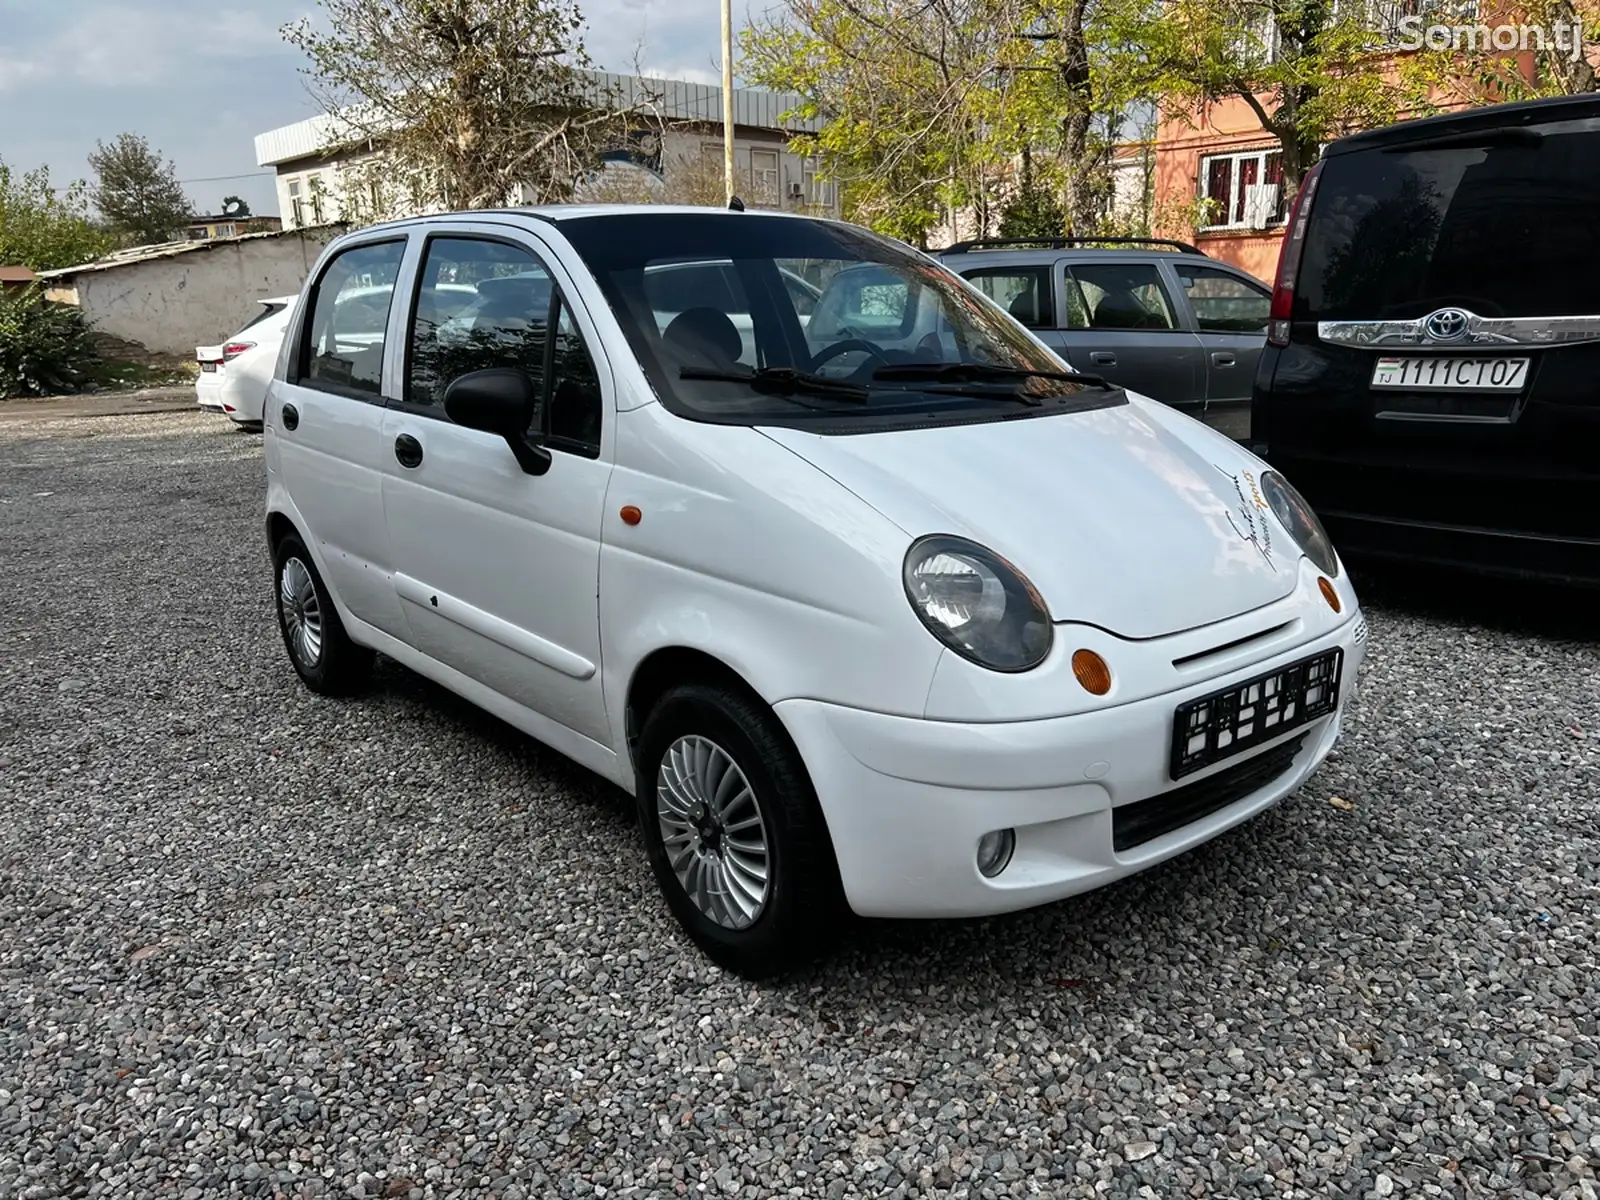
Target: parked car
[(1435, 341), (885, 613), (233, 376), (1171, 324)]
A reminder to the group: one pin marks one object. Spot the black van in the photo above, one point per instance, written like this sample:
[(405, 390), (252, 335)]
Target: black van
[(1431, 381)]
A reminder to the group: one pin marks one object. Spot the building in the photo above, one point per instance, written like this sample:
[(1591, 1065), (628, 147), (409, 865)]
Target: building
[(203, 228), (174, 296), (679, 134)]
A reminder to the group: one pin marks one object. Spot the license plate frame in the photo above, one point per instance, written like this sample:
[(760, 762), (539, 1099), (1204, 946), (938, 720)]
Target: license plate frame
[(1451, 373), (1292, 696), (207, 366)]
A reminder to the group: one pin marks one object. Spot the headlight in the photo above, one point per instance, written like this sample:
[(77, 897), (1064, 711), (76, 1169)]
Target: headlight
[(1291, 509), (977, 603)]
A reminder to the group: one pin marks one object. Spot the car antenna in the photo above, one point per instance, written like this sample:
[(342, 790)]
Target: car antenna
[(736, 204)]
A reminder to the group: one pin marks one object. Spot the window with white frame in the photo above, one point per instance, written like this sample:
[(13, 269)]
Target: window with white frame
[(764, 176), (1243, 190), (818, 191), (297, 212)]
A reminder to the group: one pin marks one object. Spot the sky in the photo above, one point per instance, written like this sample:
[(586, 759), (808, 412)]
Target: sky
[(200, 79)]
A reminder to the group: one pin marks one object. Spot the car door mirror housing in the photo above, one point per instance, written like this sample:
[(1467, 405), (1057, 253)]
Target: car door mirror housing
[(501, 401)]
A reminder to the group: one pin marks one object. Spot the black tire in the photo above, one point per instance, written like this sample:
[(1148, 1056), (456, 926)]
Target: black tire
[(339, 667), (804, 902)]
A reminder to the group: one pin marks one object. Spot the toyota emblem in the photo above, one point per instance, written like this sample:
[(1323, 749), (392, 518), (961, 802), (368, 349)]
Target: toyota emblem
[(1446, 325)]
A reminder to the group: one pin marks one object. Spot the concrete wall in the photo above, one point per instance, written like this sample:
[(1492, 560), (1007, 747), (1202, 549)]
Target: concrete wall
[(171, 305)]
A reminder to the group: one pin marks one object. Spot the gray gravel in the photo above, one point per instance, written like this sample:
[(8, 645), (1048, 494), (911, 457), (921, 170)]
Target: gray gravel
[(257, 943)]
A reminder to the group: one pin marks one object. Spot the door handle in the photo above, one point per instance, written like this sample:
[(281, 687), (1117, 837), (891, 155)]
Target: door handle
[(408, 450), (1221, 358), (291, 417), (1102, 358)]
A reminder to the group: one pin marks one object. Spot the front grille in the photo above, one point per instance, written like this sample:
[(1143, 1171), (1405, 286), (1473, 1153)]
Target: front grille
[(1135, 824)]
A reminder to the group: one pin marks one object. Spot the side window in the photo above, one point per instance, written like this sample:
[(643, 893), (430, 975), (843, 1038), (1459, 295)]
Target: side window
[(1118, 296), (865, 302), (1024, 292), (575, 399), (343, 341), (479, 304), (1224, 303)]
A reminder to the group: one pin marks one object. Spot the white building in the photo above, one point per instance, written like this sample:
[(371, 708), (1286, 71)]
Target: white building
[(680, 134)]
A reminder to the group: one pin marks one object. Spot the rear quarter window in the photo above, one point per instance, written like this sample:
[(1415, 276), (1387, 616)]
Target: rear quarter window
[(1507, 228)]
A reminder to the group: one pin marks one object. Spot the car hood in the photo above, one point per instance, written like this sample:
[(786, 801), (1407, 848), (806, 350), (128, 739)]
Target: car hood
[(1132, 518)]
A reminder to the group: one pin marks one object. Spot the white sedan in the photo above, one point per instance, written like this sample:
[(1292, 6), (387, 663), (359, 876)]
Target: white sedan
[(875, 607), (234, 375)]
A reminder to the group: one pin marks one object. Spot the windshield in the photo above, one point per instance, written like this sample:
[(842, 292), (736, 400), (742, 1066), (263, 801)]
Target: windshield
[(710, 300), (1501, 228)]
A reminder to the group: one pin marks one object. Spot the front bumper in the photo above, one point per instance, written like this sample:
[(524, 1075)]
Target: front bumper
[(906, 800)]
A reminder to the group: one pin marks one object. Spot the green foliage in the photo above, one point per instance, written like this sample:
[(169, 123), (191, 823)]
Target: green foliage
[(235, 207), (43, 230), (1035, 210), (1309, 70), (44, 347), (138, 191), (928, 104)]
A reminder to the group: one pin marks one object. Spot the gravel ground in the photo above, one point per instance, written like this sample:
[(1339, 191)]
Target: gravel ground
[(257, 943)]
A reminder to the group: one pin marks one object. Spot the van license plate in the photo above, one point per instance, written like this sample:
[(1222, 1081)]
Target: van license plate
[(1479, 374)]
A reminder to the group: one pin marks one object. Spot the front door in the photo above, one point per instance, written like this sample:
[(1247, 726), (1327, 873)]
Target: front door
[(324, 422), (1121, 323), (497, 570), (1230, 316)]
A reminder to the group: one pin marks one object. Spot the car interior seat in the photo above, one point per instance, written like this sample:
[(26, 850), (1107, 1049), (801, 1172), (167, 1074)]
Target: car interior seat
[(703, 337)]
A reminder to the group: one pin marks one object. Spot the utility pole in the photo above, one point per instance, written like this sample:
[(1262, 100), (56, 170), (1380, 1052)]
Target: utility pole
[(727, 100)]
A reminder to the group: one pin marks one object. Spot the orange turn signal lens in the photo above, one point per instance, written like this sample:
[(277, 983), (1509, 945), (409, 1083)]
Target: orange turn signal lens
[(1092, 672), (1328, 594), (631, 515)]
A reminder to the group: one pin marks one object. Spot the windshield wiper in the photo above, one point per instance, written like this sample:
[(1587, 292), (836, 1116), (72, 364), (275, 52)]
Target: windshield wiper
[(978, 373), (781, 381)]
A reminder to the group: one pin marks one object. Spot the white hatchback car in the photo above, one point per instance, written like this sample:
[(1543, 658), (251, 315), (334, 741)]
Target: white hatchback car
[(883, 610)]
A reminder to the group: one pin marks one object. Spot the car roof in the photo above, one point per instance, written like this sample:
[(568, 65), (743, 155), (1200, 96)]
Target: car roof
[(555, 214), (1469, 121)]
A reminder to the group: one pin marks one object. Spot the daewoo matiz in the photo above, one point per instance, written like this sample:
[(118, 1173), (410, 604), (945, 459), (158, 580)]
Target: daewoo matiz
[(869, 601)]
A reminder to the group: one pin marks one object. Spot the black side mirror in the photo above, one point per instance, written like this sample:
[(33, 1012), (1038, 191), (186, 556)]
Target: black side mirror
[(501, 401)]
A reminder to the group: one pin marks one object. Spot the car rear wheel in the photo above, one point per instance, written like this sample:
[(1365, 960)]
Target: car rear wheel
[(733, 831), (323, 655)]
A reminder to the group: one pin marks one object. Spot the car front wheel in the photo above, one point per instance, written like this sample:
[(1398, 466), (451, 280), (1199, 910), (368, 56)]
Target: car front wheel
[(733, 831)]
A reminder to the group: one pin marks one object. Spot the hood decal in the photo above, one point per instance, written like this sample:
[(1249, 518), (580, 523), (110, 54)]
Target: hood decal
[(1250, 521)]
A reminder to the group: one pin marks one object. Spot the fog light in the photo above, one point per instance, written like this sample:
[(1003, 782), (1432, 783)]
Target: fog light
[(1329, 594), (994, 851)]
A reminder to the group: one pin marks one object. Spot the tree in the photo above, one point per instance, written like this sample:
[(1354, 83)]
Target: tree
[(43, 230), (1309, 70), (235, 207), (929, 105), (138, 191), (1035, 211), (468, 101)]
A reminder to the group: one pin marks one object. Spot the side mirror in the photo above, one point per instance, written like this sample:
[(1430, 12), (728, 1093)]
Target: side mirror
[(501, 401)]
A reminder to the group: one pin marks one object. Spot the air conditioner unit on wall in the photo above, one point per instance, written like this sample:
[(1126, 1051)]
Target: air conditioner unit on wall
[(797, 191)]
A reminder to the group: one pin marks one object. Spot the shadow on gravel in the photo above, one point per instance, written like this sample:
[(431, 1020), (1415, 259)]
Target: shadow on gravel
[(1566, 613)]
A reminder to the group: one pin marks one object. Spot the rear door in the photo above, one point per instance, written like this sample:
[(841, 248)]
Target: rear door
[(1120, 321), (1230, 312), (325, 419), (1444, 357)]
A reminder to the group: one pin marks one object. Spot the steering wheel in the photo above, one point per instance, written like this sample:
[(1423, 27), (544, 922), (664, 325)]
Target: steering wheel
[(848, 346)]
